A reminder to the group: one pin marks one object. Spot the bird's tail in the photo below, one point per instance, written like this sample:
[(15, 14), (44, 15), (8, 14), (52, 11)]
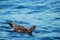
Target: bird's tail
[(12, 24)]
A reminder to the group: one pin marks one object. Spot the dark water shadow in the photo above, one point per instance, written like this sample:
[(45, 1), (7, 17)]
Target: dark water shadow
[(19, 7), (46, 38)]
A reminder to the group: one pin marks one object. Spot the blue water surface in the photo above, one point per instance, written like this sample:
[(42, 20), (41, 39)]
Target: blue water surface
[(44, 14)]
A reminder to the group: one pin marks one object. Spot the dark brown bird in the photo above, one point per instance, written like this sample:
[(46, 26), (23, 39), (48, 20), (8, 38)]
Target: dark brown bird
[(19, 28)]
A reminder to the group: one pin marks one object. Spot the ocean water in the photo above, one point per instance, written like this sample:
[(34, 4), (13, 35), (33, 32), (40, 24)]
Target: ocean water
[(44, 14)]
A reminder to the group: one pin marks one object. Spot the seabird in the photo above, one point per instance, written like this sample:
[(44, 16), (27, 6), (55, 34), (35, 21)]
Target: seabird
[(19, 28)]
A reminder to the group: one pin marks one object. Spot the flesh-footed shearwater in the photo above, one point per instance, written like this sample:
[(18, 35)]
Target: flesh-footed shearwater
[(19, 28)]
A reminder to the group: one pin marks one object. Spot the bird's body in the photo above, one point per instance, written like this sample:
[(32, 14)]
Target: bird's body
[(19, 28)]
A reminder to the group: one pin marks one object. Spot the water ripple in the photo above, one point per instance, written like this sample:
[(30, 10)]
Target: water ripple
[(42, 13)]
